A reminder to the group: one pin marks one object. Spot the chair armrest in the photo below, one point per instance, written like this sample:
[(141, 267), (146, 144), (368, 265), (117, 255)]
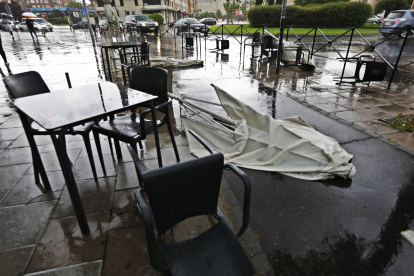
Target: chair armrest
[(149, 229), (206, 144), (247, 195), (138, 56), (162, 105)]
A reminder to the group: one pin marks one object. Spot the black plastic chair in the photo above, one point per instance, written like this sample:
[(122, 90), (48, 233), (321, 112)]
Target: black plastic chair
[(374, 70), (31, 83), (268, 47), (136, 60), (256, 41), (186, 190), (132, 129)]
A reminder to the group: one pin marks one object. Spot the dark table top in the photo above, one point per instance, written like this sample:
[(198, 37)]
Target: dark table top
[(81, 104), (117, 45)]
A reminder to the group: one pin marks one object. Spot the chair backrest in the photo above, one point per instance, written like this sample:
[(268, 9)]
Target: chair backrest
[(257, 37), (145, 50), (374, 71), (26, 84), (267, 42), (184, 190), (150, 80)]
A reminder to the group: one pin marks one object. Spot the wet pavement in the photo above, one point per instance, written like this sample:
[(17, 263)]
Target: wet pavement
[(331, 227)]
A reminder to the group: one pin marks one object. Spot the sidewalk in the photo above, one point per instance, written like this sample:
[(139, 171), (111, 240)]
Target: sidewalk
[(296, 227)]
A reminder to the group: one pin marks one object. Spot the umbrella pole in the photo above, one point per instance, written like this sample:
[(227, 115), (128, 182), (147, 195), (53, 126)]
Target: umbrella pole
[(89, 23)]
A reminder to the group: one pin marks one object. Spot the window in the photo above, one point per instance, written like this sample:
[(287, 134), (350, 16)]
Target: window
[(101, 3), (152, 2), (121, 2), (133, 13), (47, 6), (136, 2), (32, 1)]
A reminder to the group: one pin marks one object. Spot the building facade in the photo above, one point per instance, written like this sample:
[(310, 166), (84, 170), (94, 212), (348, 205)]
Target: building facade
[(170, 9)]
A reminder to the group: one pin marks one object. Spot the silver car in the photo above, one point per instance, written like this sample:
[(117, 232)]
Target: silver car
[(22, 27), (41, 21)]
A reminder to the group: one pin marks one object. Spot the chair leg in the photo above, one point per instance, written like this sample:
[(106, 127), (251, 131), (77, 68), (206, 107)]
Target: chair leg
[(118, 148), (99, 149), (134, 146), (172, 138), (88, 148), (36, 172), (110, 145), (140, 144)]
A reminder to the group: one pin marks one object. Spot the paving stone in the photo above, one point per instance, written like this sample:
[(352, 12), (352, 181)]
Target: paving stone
[(5, 144), (84, 269), (262, 266), (10, 133), (21, 141), (404, 138), (23, 224), (63, 243), (3, 195), (314, 100), (125, 212), (168, 155), (26, 191), (377, 127), (11, 175), (330, 107), (352, 116), (127, 176), (14, 261), (82, 168), (95, 197), (12, 123), (127, 253), (16, 156)]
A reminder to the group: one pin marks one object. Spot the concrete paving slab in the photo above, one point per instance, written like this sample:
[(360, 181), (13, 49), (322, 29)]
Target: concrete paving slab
[(95, 197), (11, 175), (3, 195), (127, 253), (14, 261), (82, 168), (63, 244), (126, 177), (125, 212), (403, 138), (26, 191), (23, 224), (10, 133), (377, 127), (352, 116), (5, 144), (16, 156), (85, 269)]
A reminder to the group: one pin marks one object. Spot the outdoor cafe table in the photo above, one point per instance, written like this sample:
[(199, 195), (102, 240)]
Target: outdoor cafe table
[(65, 109), (121, 47)]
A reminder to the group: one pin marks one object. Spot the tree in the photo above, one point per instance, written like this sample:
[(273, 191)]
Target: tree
[(219, 14), (309, 2), (390, 5), (58, 13), (15, 9), (73, 4)]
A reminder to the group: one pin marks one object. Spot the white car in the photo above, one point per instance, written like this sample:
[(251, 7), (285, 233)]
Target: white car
[(41, 21), (22, 27)]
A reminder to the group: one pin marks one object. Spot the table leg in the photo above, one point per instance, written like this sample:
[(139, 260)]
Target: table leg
[(103, 63), (65, 165), (37, 161), (109, 64), (122, 67)]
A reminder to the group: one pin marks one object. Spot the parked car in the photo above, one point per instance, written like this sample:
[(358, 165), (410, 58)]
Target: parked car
[(208, 21), (375, 19), (143, 23), (38, 27), (171, 24), (183, 25), (41, 21), (103, 23), (83, 25), (398, 22)]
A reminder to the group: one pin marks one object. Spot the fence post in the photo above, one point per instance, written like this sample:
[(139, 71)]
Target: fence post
[(347, 53), (282, 26), (314, 38), (287, 33), (398, 59)]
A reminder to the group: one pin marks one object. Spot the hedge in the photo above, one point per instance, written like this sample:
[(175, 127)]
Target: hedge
[(342, 14), (157, 18), (62, 20)]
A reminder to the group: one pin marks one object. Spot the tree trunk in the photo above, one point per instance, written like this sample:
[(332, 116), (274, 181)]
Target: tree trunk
[(412, 5)]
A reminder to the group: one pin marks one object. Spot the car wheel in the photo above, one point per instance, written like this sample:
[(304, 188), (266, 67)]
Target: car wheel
[(403, 33), (37, 30), (385, 35), (20, 30), (374, 22)]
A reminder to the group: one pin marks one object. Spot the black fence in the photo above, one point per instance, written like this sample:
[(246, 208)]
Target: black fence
[(241, 34)]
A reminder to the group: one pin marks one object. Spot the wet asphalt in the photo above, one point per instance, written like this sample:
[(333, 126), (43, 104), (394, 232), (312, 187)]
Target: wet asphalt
[(331, 227)]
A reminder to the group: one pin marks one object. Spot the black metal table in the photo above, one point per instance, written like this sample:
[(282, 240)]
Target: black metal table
[(65, 109), (121, 47)]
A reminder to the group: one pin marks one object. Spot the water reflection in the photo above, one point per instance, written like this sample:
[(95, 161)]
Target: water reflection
[(348, 254)]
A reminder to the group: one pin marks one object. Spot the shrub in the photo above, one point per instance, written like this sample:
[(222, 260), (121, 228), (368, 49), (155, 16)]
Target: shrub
[(157, 18), (342, 14)]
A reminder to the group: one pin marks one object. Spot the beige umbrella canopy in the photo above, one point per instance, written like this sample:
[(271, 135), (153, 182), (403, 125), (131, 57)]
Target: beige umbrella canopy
[(28, 14)]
